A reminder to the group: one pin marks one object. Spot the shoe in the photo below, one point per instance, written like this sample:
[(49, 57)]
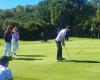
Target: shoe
[(11, 57), (12, 53), (61, 59), (15, 53)]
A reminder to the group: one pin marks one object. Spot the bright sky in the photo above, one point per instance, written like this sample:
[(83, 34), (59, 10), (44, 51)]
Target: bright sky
[(8, 4)]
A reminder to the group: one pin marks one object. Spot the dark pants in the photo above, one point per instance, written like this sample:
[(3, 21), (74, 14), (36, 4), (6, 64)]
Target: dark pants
[(59, 50)]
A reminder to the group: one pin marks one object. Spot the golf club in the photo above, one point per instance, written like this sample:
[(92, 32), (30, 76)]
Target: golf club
[(67, 52)]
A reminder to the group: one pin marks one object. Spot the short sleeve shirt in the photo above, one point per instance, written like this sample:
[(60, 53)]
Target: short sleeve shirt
[(61, 35)]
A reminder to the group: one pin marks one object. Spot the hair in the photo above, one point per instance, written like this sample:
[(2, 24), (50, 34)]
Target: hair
[(67, 27), (9, 27), (4, 60), (15, 28)]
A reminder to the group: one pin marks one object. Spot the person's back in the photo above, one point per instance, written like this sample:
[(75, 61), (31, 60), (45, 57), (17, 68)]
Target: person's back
[(61, 35)]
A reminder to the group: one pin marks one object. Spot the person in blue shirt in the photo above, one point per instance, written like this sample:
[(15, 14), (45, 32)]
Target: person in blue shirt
[(5, 72)]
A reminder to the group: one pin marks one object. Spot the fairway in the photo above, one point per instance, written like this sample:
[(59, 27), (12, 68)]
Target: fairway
[(36, 60)]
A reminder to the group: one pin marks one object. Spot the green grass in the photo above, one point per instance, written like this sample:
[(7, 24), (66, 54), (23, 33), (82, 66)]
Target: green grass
[(37, 60)]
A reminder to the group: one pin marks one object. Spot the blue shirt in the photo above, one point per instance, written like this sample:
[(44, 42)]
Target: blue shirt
[(5, 73)]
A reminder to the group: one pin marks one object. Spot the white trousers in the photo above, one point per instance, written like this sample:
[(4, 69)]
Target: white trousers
[(14, 46)]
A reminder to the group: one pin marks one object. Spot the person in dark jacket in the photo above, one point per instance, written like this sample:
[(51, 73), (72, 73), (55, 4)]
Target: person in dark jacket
[(8, 38)]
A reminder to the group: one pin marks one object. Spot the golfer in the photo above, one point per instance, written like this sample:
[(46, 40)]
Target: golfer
[(60, 41), (5, 72)]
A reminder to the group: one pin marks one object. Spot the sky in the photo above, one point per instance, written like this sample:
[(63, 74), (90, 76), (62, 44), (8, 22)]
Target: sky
[(8, 4)]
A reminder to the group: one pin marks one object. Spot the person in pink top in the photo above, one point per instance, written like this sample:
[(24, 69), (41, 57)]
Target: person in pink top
[(15, 38)]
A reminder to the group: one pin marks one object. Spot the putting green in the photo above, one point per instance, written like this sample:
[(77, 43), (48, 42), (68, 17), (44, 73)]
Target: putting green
[(37, 60)]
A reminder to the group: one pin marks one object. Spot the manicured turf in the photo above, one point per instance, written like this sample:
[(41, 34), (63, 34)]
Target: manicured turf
[(37, 60)]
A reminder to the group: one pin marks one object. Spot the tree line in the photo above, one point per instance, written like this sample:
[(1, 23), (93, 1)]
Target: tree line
[(43, 19)]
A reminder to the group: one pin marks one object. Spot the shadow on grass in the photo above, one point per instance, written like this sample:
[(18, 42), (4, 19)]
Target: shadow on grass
[(26, 59), (80, 61), (22, 77), (32, 55)]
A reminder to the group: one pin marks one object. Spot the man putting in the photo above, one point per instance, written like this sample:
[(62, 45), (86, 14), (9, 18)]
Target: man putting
[(60, 40)]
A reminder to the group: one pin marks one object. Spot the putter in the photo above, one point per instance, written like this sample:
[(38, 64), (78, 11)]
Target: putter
[(67, 53)]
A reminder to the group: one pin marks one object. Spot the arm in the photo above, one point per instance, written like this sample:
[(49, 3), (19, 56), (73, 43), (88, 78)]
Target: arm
[(63, 42), (18, 36), (6, 37), (63, 39)]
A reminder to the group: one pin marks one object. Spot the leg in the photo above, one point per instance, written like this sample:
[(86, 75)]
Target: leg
[(7, 49), (59, 50), (13, 47), (16, 47)]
